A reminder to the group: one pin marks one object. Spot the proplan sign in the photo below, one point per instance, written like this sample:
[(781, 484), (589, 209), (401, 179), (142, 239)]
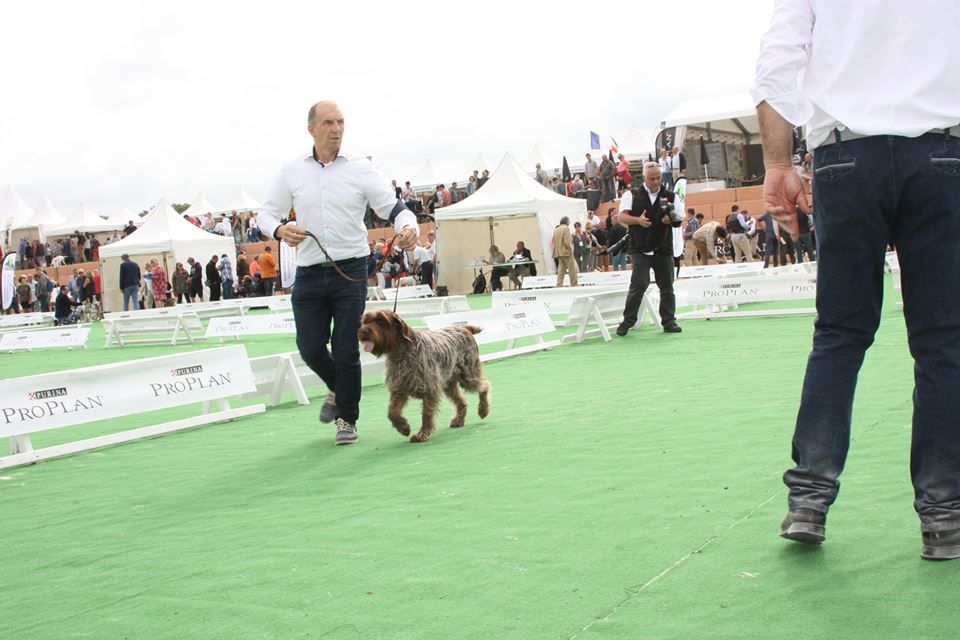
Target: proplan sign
[(48, 401), (498, 324), (44, 339), (250, 325), (751, 289)]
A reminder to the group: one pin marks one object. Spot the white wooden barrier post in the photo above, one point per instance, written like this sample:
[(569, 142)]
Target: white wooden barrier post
[(558, 301), (79, 396), (169, 323), (604, 310), (277, 374), (20, 320), (503, 325)]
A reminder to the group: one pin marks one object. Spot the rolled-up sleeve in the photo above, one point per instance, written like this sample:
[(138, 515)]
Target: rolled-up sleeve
[(277, 205), (383, 200), (783, 53)]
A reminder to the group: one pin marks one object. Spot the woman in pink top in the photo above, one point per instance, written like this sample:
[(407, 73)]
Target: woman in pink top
[(623, 173), (159, 284)]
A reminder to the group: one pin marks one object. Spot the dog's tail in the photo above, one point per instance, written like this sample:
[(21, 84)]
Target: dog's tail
[(472, 329)]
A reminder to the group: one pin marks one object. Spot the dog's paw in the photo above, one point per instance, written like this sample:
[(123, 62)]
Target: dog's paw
[(420, 437), (483, 410), (403, 428), (456, 422)]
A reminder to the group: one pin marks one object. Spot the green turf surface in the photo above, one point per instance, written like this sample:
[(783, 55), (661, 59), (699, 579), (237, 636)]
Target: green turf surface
[(617, 490)]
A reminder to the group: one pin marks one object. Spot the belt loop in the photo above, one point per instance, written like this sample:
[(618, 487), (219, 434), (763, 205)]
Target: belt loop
[(836, 134)]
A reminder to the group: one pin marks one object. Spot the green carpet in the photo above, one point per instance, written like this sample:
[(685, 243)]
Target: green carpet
[(617, 490)]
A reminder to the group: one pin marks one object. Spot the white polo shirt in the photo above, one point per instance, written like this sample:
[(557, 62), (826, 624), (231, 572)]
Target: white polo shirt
[(330, 201)]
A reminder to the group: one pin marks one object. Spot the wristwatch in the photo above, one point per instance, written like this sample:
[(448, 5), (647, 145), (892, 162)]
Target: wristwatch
[(275, 236)]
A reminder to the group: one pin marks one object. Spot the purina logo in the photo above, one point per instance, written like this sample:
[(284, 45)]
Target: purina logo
[(47, 393), (731, 286), (186, 371), (517, 316)]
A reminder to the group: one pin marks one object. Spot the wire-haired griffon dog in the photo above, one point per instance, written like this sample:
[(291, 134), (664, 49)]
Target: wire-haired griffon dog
[(425, 364)]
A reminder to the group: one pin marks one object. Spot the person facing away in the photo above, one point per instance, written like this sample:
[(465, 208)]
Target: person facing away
[(885, 169)]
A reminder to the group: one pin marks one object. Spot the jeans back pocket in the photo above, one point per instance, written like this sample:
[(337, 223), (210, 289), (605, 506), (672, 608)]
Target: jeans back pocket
[(835, 171), (946, 164)]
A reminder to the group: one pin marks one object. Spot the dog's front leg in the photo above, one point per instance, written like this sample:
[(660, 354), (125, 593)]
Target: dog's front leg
[(428, 425), (395, 412)]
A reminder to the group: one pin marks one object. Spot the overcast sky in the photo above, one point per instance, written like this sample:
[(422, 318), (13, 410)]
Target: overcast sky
[(112, 103)]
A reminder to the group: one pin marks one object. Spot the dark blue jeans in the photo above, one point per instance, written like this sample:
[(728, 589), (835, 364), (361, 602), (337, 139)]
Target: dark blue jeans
[(321, 295), (867, 192)]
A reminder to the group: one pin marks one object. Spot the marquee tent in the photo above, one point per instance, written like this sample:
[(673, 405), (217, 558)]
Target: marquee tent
[(240, 202), (636, 147), (510, 207), (122, 216), (35, 227), (83, 219), (13, 213), (480, 164), (201, 207), (723, 119), (426, 179), (548, 163), (164, 235)]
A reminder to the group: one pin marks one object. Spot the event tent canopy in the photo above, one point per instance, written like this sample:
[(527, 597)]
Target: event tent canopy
[(43, 216), (164, 235), (481, 163), (510, 207), (122, 216), (13, 210), (426, 179), (240, 202), (636, 147), (201, 206), (84, 220), (720, 119), (548, 163)]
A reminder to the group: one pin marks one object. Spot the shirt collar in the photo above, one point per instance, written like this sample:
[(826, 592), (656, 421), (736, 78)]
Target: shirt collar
[(313, 156)]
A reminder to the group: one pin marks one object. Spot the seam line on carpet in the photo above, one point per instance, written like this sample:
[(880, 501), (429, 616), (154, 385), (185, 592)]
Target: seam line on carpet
[(635, 591)]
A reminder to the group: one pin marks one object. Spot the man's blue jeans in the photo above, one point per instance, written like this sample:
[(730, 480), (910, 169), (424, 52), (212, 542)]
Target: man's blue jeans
[(130, 293), (320, 296), (869, 191), (227, 289), (619, 261)]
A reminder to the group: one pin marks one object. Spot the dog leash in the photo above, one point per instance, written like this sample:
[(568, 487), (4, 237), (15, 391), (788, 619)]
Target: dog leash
[(337, 268)]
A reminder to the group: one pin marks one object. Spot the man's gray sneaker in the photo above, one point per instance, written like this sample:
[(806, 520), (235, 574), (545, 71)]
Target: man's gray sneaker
[(329, 409), (941, 545), (346, 432), (805, 526)]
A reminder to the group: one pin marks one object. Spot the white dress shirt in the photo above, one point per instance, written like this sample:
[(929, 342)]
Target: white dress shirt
[(421, 255), (330, 201), (874, 67)]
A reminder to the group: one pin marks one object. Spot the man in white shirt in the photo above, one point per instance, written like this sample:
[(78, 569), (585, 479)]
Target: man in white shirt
[(223, 227), (329, 191), (886, 168)]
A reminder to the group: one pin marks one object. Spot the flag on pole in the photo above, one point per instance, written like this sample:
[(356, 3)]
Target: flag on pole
[(565, 171), (704, 158), (594, 140), (615, 147)]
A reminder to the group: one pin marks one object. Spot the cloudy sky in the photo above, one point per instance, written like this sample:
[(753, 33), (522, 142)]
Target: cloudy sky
[(112, 103)]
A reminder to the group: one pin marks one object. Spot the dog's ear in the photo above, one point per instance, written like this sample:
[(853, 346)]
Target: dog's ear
[(403, 329)]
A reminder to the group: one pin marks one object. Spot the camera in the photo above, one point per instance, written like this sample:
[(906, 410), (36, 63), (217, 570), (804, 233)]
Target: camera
[(669, 210)]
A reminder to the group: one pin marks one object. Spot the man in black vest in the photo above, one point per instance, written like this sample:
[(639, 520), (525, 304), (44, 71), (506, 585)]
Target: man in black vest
[(645, 212)]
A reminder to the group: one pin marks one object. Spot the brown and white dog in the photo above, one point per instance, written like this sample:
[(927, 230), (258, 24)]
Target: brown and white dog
[(425, 364)]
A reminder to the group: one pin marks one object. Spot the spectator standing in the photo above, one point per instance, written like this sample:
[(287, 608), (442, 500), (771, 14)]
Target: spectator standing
[(226, 276), (213, 279), (563, 252), (268, 270), (129, 282)]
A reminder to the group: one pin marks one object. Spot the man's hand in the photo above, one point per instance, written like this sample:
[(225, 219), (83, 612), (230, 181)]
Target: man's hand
[(665, 219), (291, 234), (644, 221), (407, 238), (782, 193)]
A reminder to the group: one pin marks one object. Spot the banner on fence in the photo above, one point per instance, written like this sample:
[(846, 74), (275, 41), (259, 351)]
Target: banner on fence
[(51, 400)]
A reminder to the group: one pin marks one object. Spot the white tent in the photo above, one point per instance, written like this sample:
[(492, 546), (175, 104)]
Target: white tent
[(426, 179), (13, 213), (44, 216), (122, 216), (509, 208), (84, 220), (721, 119), (201, 206), (636, 147), (164, 235), (548, 163), (240, 202), (480, 164)]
